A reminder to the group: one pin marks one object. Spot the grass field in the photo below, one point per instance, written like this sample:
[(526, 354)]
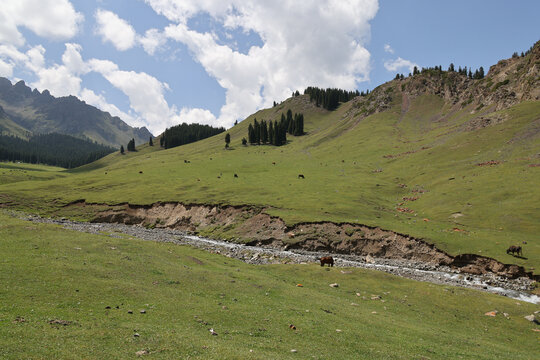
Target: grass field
[(56, 274), (356, 170)]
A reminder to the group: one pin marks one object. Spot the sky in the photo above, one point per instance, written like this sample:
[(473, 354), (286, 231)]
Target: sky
[(158, 63)]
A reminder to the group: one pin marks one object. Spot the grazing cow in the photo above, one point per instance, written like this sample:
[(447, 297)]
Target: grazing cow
[(326, 260), (273, 163), (300, 176), (186, 161), (514, 249), (235, 175)]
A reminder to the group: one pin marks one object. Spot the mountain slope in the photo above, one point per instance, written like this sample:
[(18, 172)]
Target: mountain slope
[(41, 113), (437, 156)]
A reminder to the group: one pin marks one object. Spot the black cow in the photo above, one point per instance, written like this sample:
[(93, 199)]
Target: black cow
[(514, 249)]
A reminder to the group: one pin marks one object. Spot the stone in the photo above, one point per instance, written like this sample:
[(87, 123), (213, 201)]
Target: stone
[(294, 350), (370, 259)]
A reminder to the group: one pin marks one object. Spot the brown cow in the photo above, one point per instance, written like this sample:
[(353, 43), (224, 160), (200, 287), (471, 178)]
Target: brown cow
[(514, 249), (326, 260)]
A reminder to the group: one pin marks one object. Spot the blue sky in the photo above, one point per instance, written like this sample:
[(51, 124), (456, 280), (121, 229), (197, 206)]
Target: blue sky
[(157, 63)]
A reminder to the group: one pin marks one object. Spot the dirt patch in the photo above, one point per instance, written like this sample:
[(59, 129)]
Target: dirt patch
[(252, 226)]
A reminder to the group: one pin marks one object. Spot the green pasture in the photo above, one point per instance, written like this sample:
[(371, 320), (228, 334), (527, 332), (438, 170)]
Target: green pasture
[(67, 295)]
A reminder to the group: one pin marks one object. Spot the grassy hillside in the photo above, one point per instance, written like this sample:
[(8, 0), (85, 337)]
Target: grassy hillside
[(357, 169), (67, 295)]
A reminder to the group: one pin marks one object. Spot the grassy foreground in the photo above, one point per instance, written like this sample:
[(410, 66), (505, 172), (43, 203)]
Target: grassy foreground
[(48, 273)]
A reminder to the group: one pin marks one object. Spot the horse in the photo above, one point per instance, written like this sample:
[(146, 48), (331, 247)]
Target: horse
[(514, 249), (326, 260)]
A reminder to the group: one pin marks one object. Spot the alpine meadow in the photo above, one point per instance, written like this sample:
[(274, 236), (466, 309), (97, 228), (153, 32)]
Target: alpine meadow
[(400, 222)]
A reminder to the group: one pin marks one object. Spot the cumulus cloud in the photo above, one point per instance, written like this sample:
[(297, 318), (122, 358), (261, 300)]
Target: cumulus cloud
[(195, 115), (115, 30), (152, 40), (305, 43), (399, 63), (52, 19), (388, 49), (99, 101), (6, 68)]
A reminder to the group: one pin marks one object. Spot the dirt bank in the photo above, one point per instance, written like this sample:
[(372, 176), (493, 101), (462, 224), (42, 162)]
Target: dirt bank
[(252, 226)]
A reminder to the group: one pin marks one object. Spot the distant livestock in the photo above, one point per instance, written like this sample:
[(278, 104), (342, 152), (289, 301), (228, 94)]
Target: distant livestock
[(514, 249), (186, 161), (326, 260), (300, 176), (235, 175)]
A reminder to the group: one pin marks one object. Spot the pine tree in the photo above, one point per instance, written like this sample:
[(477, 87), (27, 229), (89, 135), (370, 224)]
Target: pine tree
[(227, 139), (244, 141), (251, 134), (122, 149), (271, 133), (131, 145), (257, 131), (289, 118), (151, 143), (451, 68), (264, 132)]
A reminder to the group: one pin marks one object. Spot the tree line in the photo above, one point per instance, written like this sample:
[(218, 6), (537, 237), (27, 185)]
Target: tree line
[(52, 149), (275, 133), (187, 133), (330, 98), (477, 75)]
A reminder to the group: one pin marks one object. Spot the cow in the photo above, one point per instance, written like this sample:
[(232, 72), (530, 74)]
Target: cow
[(235, 175), (300, 176), (326, 260), (514, 249)]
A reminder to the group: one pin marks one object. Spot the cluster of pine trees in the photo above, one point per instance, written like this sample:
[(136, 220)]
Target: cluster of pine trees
[(187, 133), (131, 145), (52, 149), (330, 98), (275, 133), (478, 73)]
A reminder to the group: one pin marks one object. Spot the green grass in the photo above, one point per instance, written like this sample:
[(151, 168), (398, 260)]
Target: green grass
[(57, 274), (341, 157)]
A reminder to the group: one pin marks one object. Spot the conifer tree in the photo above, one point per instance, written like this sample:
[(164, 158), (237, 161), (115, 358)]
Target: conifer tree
[(244, 141), (251, 134), (122, 149), (227, 139), (451, 68), (271, 133)]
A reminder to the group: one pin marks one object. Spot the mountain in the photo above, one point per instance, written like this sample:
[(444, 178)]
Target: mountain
[(436, 156), (26, 112)]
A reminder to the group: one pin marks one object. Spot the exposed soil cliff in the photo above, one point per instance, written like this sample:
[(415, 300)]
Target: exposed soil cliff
[(253, 226)]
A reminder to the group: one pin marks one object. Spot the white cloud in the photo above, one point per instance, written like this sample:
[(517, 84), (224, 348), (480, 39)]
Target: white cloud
[(196, 115), (145, 93), (388, 49), (115, 30), (312, 42), (399, 63), (6, 69), (152, 41), (52, 19)]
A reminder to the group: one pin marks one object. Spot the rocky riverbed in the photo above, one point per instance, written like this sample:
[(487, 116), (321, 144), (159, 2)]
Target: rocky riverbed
[(514, 288)]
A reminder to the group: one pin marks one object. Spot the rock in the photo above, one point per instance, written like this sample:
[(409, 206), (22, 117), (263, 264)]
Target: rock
[(370, 259), (532, 318), (354, 304), (294, 350), (338, 330), (346, 272), (334, 285), (358, 294), (375, 297), (142, 352)]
